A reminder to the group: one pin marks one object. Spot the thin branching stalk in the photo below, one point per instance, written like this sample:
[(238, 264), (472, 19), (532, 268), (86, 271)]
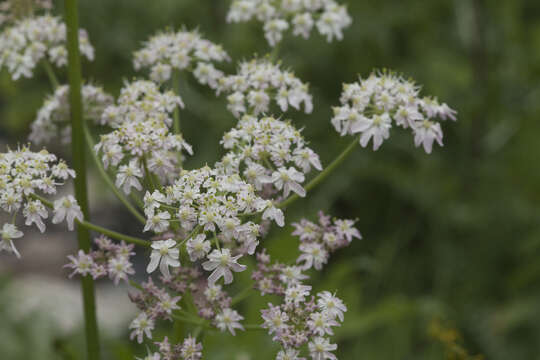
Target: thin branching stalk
[(50, 74), (316, 180), (123, 199), (79, 165)]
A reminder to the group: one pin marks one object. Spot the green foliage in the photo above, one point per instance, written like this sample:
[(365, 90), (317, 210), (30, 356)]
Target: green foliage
[(453, 235)]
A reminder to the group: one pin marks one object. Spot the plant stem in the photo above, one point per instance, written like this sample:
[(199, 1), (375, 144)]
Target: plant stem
[(114, 234), (88, 225), (242, 295), (108, 180), (79, 165), (50, 73), (315, 181)]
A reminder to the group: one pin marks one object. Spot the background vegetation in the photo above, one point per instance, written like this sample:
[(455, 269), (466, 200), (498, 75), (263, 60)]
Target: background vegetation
[(453, 236)]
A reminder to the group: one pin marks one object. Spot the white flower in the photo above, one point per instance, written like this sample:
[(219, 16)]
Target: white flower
[(303, 23), (81, 264), (119, 268), (313, 255), (288, 354), (141, 325), (128, 175), (164, 254), (289, 180), (67, 208), (197, 247), (221, 262), (34, 212), (425, 133), (320, 349), (297, 293), (157, 222), (292, 275), (331, 305), (377, 127), (273, 30), (8, 233), (346, 229), (273, 213), (370, 105), (229, 319), (275, 320)]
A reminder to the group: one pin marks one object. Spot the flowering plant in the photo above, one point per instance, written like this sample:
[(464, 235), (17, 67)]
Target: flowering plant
[(200, 224)]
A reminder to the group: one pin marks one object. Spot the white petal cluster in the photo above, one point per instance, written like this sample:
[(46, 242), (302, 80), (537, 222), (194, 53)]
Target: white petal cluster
[(302, 16), (260, 82), (24, 173), (28, 41), (183, 50), (141, 118), (211, 207), (268, 151), (53, 119), (371, 105)]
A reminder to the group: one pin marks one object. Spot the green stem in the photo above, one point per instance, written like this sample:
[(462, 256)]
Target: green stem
[(149, 176), (50, 73), (337, 161), (114, 234), (242, 295), (108, 180), (79, 165), (87, 225)]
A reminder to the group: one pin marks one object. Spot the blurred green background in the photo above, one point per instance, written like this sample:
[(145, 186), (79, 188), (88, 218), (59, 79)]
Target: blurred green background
[(453, 236)]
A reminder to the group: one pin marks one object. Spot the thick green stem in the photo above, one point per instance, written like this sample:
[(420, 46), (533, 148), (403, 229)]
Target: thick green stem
[(79, 165), (50, 73), (123, 199), (337, 161)]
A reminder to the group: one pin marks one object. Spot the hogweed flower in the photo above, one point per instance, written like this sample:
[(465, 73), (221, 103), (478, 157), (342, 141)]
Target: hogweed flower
[(53, 119), (110, 259), (220, 262), (170, 51), (163, 254), (371, 105), (32, 40), (257, 83), (327, 16), (24, 175), (141, 120), (7, 234), (269, 151)]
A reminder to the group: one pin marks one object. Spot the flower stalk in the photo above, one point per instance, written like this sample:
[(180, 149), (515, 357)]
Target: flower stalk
[(79, 165), (327, 171), (108, 180)]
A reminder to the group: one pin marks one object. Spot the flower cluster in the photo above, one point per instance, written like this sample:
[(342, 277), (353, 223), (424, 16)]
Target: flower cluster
[(141, 137), (172, 51), (189, 349), (260, 81), (155, 303), (24, 174), (317, 241), (268, 152), (369, 106), (328, 16), (28, 41), (12, 10), (207, 206), (53, 119), (301, 318), (109, 259)]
